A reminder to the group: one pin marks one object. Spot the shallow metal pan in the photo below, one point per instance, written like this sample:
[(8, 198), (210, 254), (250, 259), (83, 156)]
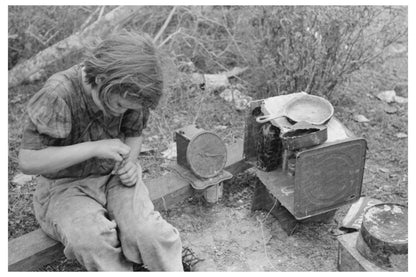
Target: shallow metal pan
[(307, 108)]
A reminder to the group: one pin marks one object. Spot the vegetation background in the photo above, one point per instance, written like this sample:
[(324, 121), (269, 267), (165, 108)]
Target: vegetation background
[(346, 54)]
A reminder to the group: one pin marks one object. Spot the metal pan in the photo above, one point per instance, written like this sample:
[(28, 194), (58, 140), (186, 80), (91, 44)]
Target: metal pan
[(307, 108), (304, 135)]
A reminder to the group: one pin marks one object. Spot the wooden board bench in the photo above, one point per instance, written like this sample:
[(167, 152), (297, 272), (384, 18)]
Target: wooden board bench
[(35, 249)]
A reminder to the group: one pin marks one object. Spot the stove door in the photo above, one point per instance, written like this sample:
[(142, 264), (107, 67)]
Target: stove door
[(328, 177)]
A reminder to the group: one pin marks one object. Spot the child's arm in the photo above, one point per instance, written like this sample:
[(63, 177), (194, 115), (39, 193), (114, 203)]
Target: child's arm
[(135, 144), (53, 159), (128, 171)]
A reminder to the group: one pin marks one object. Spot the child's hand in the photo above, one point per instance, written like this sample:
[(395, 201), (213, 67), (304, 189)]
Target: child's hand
[(111, 149), (129, 172)]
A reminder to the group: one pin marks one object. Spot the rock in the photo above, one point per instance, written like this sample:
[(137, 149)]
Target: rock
[(21, 179), (400, 100), (146, 149), (360, 118), (387, 96), (390, 110), (401, 135), (240, 100), (220, 127), (385, 170), (170, 153), (227, 95), (215, 81), (242, 103)]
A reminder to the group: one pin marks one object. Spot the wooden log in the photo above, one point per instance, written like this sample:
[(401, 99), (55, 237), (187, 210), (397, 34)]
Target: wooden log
[(71, 44), (35, 249)]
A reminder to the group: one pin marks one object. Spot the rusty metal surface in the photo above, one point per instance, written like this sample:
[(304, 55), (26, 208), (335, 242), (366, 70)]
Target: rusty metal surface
[(304, 136), (268, 148), (383, 237), (349, 259), (280, 185), (251, 131), (328, 176), (201, 151)]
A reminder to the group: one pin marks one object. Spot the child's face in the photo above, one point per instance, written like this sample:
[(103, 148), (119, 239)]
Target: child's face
[(119, 105), (116, 105)]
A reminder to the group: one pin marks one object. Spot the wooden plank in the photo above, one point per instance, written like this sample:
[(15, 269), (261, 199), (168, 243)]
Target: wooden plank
[(170, 188), (349, 259), (32, 251), (167, 190), (35, 249)]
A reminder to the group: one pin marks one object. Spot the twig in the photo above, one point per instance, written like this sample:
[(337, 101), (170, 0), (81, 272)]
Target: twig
[(51, 37), (199, 108), (232, 37), (162, 29), (101, 12), (169, 37), (264, 240), (35, 37), (85, 24)]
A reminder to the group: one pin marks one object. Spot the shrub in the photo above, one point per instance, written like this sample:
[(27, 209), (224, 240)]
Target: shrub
[(288, 48), (314, 49)]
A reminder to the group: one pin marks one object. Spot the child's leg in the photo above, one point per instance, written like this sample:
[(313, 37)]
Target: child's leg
[(70, 214), (145, 236)]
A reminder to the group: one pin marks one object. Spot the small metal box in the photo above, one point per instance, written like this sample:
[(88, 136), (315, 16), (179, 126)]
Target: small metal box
[(201, 151)]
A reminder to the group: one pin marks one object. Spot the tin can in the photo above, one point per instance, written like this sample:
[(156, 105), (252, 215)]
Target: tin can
[(269, 148), (213, 193)]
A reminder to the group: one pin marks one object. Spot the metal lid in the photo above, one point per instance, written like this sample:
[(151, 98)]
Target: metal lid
[(206, 154)]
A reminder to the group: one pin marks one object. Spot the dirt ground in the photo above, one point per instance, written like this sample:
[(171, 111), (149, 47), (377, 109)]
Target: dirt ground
[(232, 238)]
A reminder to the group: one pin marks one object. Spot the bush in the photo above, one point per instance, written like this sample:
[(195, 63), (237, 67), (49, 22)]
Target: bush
[(288, 48), (314, 49)]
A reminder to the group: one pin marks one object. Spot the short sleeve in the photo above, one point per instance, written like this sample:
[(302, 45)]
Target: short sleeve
[(134, 121), (50, 114), (48, 120)]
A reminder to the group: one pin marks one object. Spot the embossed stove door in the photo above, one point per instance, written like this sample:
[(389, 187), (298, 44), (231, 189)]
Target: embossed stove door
[(328, 177)]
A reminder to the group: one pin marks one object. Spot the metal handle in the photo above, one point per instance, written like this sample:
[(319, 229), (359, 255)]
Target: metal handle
[(266, 118)]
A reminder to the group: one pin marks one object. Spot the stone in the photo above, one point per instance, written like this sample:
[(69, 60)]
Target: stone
[(360, 118), (21, 179), (390, 110), (401, 135), (400, 100), (387, 96)]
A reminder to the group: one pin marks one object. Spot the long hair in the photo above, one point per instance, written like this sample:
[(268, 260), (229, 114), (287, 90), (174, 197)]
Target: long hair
[(129, 64)]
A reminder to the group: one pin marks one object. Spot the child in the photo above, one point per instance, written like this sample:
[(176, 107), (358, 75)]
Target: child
[(83, 137)]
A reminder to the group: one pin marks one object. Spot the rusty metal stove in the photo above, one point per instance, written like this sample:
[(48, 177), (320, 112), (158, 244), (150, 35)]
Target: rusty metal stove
[(307, 184)]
